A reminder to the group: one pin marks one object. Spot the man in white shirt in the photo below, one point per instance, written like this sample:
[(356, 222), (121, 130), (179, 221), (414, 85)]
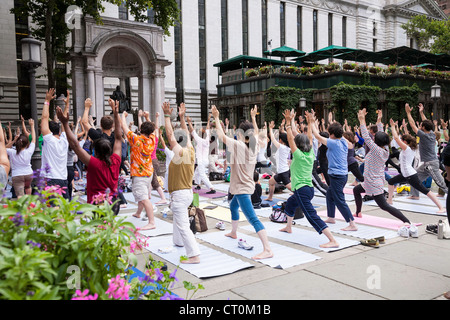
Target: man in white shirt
[(54, 147), (202, 157)]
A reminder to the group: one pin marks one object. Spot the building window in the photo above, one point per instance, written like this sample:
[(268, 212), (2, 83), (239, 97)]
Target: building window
[(282, 23), (374, 44), (264, 24), (344, 31), (179, 57), (224, 12), (374, 31), (315, 35), (123, 11), (330, 29), (299, 28), (245, 27)]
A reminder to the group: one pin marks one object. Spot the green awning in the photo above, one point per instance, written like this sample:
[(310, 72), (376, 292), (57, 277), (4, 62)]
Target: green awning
[(242, 61), (285, 51), (325, 53), (361, 56)]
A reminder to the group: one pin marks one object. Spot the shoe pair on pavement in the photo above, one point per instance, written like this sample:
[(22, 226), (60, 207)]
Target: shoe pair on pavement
[(408, 231)]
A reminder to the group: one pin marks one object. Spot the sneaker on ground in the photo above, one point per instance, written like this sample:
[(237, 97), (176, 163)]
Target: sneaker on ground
[(220, 225), (432, 228), (413, 231), (403, 232), (244, 245)]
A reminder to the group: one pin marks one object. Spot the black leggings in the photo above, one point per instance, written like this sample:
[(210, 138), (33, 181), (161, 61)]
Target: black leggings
[(381, 202), (412, 180), (354, 168)]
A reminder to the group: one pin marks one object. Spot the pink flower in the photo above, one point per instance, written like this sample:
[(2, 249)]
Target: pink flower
[(83, 295), (118, 289)]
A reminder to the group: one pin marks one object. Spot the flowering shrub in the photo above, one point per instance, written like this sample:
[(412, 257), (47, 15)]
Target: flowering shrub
[(53, 249)]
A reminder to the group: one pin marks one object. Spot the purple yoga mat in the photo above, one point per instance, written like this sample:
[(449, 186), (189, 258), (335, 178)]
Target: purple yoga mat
[(203, 193)]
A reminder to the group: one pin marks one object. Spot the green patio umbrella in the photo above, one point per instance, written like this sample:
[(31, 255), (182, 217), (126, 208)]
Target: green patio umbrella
[(325, 53), (284, 51), (360, 55)]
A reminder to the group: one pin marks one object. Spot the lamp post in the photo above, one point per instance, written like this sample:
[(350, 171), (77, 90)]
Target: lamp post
[(302, 105), (435, 96), (31, 59)]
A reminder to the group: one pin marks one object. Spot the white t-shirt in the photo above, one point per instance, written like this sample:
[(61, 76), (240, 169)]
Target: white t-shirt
[(282, 156), (54, 154), (406, 159), (201, 147), (21, 163)]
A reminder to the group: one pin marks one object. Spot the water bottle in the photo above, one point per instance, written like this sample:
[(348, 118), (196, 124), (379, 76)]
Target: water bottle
[(164, 214), (440, 230)]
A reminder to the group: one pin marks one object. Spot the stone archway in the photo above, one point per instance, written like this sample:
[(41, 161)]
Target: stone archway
[(120, 50)]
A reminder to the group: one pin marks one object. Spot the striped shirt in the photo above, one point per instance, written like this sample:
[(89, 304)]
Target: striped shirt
[(374, 164)]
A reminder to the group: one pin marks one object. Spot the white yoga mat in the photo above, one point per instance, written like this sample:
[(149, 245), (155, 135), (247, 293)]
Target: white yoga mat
[(304, 237), (222, 186), (284, 257), (423, 201), (348, 197), (363, 232), (213, 263), (162, 227), (413, 207)]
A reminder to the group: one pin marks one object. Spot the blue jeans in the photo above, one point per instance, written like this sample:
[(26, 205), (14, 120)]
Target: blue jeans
[(302, 198), (336, 197), (244, 202)]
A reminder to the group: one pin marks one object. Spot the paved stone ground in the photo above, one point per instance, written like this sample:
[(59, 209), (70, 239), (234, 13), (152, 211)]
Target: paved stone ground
[(400, 269)]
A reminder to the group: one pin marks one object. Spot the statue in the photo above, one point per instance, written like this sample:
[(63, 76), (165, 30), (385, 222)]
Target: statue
[(118, 95)]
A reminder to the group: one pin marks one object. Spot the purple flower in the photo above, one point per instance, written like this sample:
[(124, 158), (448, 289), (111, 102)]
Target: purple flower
[(169, 296), (172, 275), (159, 275), (18, 220), (34, 244)]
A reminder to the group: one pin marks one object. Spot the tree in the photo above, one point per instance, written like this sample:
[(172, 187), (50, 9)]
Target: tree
[(429, 34), (49, 25)]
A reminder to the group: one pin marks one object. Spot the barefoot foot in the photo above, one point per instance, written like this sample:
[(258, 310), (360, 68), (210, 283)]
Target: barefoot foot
[(330, 220), (287, 230), (263, 255), (192, 260), (331, 244), (149, 226), (231, 235)]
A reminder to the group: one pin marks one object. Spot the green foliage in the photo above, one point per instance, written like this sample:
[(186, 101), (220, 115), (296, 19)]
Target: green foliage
[(429, 34), (348, 99), (396, 97), (279, 99), (42, 236)]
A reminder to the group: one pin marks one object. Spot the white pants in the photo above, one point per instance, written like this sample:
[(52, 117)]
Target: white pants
[(183, 236), (213, 158), (200, 175)]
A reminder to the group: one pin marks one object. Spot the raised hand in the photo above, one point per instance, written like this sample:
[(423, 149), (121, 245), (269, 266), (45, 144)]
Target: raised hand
[(64, 119), (167, 110), (254, 111), (50, 94), (408, 109), (215, 112), (182, 110)]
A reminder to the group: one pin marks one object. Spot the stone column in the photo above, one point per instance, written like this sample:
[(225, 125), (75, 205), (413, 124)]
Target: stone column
[(99, 95), (91, 89)]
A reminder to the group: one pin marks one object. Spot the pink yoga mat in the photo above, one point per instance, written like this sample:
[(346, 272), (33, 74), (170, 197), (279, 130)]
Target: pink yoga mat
[(374, 221)]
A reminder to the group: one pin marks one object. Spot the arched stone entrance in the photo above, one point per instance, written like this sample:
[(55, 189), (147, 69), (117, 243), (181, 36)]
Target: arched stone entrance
[(118, 49)]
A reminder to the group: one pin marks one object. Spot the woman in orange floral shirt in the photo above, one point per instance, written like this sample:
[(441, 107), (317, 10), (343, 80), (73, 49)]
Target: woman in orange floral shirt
[(141, 168)]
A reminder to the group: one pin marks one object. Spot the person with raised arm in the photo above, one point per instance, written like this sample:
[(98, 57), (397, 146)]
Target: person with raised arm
[(337, 149), (141, 168), (5, 165), (408, 145), (301, 170), (20, 160), (103, 169), (375, 160), (202, 155), (427, 150), (181, 173), (54, 148), (243, 153)]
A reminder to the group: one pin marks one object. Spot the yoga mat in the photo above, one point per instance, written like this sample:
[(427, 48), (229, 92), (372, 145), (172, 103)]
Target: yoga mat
[(222, 186), (213, 263), (304, 237), (220, 213), (413, 207), (424, 200), (284, 257), (371, 220), (162, 227), (348, 197), (363, 232), (203, 193), (263, 212)]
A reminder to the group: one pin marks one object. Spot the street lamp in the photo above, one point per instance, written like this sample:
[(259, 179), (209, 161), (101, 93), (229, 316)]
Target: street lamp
[(435, 96), (31, 59), (302, 105)]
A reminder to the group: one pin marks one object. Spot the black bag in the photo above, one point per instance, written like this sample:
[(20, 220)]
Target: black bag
[(215, 176)]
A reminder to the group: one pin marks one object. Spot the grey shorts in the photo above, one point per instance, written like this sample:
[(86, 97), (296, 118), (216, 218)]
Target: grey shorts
[(3, 178), (141, 186)]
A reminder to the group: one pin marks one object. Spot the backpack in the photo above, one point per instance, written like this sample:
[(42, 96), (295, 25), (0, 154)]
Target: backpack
[(215, 176), (197, 220), (278, 214)]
